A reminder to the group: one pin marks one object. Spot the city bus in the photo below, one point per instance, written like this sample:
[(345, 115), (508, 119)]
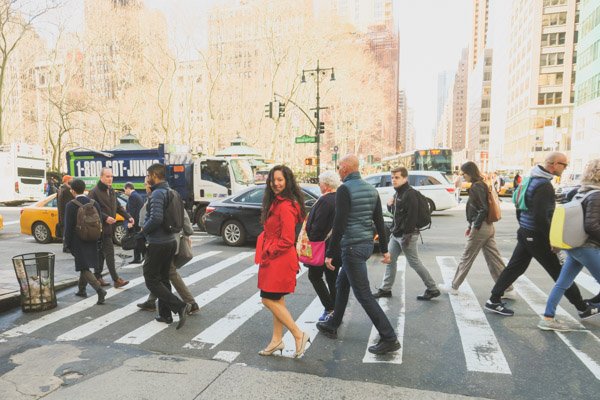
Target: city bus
[(22, 173), (421, 160)]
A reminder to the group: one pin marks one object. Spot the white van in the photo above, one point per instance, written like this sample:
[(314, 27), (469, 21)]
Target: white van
[(432, 184)]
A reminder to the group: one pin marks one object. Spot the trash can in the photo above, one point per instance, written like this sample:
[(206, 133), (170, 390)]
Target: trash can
[(35, 273)]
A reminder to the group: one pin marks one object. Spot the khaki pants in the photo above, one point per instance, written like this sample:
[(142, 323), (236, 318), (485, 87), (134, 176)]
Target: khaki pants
[(482, 239)]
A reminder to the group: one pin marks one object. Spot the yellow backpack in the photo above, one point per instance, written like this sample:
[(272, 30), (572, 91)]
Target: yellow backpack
[(567, 227)]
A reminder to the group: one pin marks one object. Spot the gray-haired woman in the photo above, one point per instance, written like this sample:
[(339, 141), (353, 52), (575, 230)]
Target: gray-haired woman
[(318, 227)]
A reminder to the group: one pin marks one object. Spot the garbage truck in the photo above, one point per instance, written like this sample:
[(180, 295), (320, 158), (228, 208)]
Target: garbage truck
[(199, 181)]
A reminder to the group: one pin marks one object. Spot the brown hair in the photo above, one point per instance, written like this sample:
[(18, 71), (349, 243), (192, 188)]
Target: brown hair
[(471, 169), (403, 171)]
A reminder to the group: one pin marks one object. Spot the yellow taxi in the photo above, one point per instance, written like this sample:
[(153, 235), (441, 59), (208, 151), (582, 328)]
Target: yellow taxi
[(464, 187), (40, 219), (1, 222)]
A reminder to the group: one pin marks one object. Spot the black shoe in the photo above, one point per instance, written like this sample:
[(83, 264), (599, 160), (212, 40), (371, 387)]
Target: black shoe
[(195, 308), (147, 305), (429, 294), (498, 308), (101, 295), (382, 293), (327, 330), (168, 320), (81, 293), (592, 310), (183, 314), (385, 346)]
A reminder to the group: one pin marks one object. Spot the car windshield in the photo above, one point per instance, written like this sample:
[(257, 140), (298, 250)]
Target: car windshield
[(314, 190), (242, 171)]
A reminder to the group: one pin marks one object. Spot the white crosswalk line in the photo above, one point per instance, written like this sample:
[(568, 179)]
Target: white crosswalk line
[(537, 299), (395, 357), (150, 329), (307, 324), (82, 305), (587, 282), (220, 330), (482, 350), (95, 325)]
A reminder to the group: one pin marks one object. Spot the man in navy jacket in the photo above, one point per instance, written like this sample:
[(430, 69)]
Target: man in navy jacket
[(135, 203)]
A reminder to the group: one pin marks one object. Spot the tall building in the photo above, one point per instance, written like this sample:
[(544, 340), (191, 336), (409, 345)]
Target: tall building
[(586, 136), (459, 109), (365, 13), (411, 133), (445, 82), (543, 44), (479, 34), (479, 99), (402, 143)]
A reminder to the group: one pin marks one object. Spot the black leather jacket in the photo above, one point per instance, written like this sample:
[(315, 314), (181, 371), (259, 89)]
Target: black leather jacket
[(405, 209), (477, 205), (591, 208)]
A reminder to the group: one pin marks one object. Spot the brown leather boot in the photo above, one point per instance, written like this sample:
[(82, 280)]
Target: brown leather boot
[(103, 282), (120, 282)]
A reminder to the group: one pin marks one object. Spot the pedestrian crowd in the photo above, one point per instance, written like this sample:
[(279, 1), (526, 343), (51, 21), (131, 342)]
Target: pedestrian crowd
[(335, 243)]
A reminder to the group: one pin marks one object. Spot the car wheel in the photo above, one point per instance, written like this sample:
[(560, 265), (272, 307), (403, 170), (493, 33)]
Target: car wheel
[(431, 206), (201, 219), (41, 233), (233, 233), (118, 234)]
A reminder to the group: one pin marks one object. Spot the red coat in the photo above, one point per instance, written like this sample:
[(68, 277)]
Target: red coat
[(276, 248)]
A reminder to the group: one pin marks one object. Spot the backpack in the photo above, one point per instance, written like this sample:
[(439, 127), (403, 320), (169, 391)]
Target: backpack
[(88, 226), (518, 196), (567, 227), (423, 213), (494, 214), (173, 213)]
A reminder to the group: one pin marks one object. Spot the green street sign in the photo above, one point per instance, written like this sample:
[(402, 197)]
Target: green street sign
[(306, 139)]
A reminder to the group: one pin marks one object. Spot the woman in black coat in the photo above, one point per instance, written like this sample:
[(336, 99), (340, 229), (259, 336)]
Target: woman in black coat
[(85, 253), (318, 229)]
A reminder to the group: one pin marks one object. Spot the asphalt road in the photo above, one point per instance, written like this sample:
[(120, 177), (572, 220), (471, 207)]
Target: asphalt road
[(448, 345)]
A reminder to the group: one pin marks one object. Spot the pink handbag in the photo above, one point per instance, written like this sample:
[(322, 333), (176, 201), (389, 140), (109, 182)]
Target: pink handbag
[(310, 253)]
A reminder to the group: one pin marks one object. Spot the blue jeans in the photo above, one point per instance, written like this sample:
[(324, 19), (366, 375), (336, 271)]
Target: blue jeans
[(354, 274), (576, 259)]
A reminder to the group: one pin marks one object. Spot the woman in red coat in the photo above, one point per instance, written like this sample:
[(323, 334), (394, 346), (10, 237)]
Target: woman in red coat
[(283, 208)]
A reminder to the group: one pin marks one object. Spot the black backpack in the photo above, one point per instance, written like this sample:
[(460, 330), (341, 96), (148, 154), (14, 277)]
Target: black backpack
[(173, 214), (424, 213)]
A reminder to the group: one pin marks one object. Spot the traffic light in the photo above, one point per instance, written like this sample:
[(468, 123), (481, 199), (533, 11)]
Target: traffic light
[(269, 110), (321, 127), (310, 161), (281, 110)]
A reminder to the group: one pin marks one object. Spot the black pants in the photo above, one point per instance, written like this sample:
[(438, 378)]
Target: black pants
[(533, 245), (107, 251), (315, 275), (156, 274)]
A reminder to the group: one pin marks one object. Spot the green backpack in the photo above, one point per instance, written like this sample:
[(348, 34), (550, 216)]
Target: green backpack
[(518, 196)]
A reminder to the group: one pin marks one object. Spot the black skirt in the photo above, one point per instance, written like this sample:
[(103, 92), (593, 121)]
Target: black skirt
[(271, 295)]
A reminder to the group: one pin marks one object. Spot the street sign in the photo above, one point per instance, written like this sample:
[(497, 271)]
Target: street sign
[(306, 139)]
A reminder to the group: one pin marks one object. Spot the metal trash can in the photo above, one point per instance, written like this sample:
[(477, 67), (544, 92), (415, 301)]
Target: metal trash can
[(35, 273)]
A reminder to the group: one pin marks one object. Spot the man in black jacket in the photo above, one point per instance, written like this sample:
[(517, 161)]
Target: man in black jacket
[(62, 198), (134, 206), (105, 195), (405, 237)]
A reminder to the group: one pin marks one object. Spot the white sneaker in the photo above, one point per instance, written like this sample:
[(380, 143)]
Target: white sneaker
[(510, 294), (447, 288)]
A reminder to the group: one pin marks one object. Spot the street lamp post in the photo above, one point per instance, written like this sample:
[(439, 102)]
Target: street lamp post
[(318, 73)]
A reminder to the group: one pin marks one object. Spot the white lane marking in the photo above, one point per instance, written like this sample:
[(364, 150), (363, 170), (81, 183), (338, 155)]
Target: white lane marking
[(306, 323), (95, 325), (482, 350), (395, 357), (537, 299), (130, 266), (587, 282), (221, 329), (227, 356), (82, 305), (11, 222), (150, 329)]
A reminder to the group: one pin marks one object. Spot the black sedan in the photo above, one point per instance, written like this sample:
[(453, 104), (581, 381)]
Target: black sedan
[(237, 218)]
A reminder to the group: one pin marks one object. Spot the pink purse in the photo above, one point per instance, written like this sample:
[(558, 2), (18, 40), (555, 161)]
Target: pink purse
[(310, 253)]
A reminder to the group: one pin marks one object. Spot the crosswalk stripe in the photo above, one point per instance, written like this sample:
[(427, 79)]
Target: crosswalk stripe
[(537, 299), (307, 324), (395, 357), (82, 305), (95, 325), (220, 330), (150, 329), (193, 260), (481, 349), (587, 282)]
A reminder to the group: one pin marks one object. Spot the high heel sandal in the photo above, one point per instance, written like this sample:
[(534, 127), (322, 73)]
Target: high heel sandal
[(305, 339), (279, 347)]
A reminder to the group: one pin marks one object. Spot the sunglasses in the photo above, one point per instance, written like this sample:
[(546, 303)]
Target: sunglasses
[(563, 164)]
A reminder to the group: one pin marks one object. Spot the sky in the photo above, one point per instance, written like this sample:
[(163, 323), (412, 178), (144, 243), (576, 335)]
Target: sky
[(432, 35)]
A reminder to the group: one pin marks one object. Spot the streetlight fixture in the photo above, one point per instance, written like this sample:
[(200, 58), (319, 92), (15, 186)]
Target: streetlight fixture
[(318, 73)]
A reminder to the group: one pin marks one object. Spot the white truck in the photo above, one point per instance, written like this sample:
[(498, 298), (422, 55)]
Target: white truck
[(22, 173)]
